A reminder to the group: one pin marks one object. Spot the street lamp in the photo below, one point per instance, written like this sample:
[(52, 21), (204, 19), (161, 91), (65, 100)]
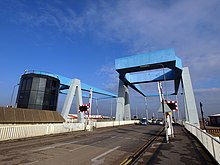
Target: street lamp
[(12, 95), (145, 99), (162, 101)]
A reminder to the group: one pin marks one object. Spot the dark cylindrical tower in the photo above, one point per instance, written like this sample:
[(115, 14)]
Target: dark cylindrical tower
[(38, 91)]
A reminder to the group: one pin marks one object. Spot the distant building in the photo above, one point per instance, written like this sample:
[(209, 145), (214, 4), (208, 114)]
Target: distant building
[(214, 120)]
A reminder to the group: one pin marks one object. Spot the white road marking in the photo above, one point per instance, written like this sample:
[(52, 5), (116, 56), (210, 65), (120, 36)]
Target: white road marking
[(83, 146), (78, 148), (97, 142), (31, 163), (96, 161), (155, 145), (53, 146), (147, 153)]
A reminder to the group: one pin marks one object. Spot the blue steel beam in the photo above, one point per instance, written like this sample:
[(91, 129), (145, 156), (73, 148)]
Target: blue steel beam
[(162, 59), (136, 87), (149, 61), (65, 84), (156, 95), (147, 77), (83, 95)]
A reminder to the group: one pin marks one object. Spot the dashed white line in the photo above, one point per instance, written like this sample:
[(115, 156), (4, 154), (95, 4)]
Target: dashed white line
[(53, 146), (78, 148), (32, 162), (96, 161)]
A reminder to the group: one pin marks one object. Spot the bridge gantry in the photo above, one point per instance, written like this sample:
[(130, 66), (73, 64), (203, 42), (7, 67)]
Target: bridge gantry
[(132, 72)]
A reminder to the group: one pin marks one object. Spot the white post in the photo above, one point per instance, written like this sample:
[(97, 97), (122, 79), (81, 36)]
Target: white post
[(90, 110), (90, 102), (111, 109), (146, 107), (97, 108)]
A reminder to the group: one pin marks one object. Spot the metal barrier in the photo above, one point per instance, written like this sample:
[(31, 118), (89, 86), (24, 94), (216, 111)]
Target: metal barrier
[(9, 132), (114, 123), (18, 131), (212, 144)]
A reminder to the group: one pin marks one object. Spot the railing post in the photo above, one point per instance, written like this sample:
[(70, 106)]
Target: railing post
[(213, 147)]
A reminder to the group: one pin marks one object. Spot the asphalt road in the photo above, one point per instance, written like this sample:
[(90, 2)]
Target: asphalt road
[(101, 146)]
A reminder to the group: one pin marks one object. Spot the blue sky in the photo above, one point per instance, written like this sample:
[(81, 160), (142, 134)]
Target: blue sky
[(81, 39)]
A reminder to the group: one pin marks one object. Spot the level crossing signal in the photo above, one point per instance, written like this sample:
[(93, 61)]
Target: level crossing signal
[(84, 108)]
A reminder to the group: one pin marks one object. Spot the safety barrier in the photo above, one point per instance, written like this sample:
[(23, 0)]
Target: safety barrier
[(9, 132), (17, 131), (114, 123), (212, 144)]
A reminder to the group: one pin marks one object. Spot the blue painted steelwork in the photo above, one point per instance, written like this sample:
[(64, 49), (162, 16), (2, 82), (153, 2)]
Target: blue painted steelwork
[(41, 73), (83, 95), (147, 77), (65, 83), (166, 60), (165, 57)]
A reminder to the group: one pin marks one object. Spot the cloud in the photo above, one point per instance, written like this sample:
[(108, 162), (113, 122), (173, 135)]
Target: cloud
[(207, 90), (191, 27), (109, 77)]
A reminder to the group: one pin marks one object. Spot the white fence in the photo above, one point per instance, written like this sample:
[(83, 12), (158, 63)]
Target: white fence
[(212, 144), (8, 132), (114, 123)]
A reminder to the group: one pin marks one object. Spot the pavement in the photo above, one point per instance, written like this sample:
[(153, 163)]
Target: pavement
[(182, 149)]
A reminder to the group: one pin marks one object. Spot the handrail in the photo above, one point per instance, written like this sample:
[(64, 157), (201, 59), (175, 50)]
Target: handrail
[(204, 132), (41, 73), (208, 141)]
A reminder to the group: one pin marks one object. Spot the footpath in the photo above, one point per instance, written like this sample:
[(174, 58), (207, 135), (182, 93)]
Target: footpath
[(182, 149)]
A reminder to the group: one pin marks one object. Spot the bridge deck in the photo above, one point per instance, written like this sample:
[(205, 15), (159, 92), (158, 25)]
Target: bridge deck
[(182, 149)]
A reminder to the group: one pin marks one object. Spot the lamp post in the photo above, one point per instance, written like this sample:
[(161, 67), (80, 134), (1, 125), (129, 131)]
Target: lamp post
[(145, 99), (163, 109), (111, 109), (165, 118), (12, 95), (162, 100), (97, 109), (164, 77)]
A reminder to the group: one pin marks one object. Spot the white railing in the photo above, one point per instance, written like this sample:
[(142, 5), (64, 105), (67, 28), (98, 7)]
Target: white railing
[(114, 123), (9, 132), (212, 144)]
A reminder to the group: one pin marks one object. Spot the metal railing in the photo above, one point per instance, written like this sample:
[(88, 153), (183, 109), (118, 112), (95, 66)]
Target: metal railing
[(18, 131), (9, 132), (212, 144), (41, 73)]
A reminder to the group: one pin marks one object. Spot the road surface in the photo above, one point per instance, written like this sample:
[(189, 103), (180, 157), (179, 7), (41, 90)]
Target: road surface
[(101, 146)]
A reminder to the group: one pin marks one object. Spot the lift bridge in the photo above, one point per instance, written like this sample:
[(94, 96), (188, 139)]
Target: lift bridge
[(133, 70)]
